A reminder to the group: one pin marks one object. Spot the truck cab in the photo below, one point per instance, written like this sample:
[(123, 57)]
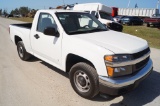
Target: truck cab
[(101, 12)]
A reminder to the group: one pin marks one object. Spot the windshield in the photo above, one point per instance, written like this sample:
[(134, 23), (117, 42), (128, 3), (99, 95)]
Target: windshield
[(105, 15), (77, 23)]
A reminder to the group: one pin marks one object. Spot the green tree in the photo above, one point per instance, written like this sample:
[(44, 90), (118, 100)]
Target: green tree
[(5, 12), (15, 12), (24, 11)]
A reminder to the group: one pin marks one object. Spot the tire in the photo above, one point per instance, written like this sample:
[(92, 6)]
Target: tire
[(23, 54), (84, 80), (142, 23), (148, 25), (132, 23)]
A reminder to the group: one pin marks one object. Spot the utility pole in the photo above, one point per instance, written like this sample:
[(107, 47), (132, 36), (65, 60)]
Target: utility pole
[(128, 3), (63, 3), (158, 3)]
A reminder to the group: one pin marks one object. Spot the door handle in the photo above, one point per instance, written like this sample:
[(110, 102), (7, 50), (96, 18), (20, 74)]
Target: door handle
[(36, 36)]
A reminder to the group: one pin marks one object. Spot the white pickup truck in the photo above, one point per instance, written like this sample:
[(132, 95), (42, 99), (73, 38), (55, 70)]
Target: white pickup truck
[(97, 59)]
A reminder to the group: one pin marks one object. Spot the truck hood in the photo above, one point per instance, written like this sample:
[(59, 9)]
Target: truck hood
[(117, 42)]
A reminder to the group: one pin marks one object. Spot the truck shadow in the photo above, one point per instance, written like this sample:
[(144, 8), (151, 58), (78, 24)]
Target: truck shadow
[(97, 98), (146, 92), (55, 69), (33, 59)]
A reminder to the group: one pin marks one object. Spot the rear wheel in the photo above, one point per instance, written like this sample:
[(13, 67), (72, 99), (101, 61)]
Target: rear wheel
[(132, 23), (84, 80), (23, 54), (148, 25)]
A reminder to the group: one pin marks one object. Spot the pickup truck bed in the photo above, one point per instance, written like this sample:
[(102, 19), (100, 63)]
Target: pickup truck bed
[(24, 25)]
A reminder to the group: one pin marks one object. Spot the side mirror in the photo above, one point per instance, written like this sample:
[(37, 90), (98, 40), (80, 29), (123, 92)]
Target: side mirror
[(51, 32)]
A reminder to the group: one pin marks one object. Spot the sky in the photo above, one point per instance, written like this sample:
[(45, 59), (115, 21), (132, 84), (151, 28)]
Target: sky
[(45, 4)]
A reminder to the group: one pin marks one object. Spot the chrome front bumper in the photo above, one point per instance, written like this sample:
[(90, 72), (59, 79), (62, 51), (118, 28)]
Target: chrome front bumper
[(127, 80)]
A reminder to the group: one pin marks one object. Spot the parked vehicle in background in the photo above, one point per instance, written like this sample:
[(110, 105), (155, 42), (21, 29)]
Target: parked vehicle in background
[(102, 13), (131, 20), (96, 58), (118, 18), (154, 20), (2, 15), (9, 16), (17, 15)]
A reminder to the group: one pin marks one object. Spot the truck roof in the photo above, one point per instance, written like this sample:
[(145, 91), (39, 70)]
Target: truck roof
[(92, 7), (58, 10)]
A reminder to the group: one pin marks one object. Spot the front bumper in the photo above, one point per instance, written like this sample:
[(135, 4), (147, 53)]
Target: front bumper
[(118, 86)]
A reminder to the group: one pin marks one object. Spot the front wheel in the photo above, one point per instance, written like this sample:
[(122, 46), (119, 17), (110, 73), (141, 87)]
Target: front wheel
[(23, 54), (84, 80)]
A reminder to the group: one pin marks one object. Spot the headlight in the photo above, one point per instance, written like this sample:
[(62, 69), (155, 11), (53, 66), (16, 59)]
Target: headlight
[(120, 70), (117, 58)]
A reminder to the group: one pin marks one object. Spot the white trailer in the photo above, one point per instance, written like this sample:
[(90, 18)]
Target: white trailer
[(94, 9), (101, 12), (140, 12)]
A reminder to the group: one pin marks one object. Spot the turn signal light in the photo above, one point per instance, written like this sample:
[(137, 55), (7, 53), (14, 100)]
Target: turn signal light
[(110, 71), (109, 58)]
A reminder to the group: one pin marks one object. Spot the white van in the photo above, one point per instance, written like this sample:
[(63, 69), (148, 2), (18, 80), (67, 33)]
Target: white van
[(102, 12)]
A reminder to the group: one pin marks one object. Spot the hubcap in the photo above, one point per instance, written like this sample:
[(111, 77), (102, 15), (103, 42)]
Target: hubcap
[(21, 52), (82, 81)]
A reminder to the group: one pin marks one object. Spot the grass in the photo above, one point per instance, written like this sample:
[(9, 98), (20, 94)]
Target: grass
[(152, 35)]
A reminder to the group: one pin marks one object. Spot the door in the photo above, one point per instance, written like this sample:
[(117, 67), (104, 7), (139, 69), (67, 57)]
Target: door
[(46, 47)]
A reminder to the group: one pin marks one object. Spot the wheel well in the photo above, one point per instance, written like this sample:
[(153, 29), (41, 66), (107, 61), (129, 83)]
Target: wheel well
[(73, 59), (17, 39)]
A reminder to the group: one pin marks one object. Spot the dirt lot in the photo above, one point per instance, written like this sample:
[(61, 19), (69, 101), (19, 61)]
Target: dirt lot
[(36, 83)]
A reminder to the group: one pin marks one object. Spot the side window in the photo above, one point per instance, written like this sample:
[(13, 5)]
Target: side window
[(126, 19), (45, 20)]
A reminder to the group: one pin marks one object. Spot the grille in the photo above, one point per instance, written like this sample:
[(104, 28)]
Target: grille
[(137, 67), (140, 54), (141, 64)]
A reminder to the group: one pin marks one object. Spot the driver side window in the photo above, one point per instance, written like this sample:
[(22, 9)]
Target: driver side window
[(45, 20)]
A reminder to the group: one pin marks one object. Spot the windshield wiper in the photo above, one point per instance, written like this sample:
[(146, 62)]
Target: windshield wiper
[(86, 31), (76, 32), (97, 29)]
